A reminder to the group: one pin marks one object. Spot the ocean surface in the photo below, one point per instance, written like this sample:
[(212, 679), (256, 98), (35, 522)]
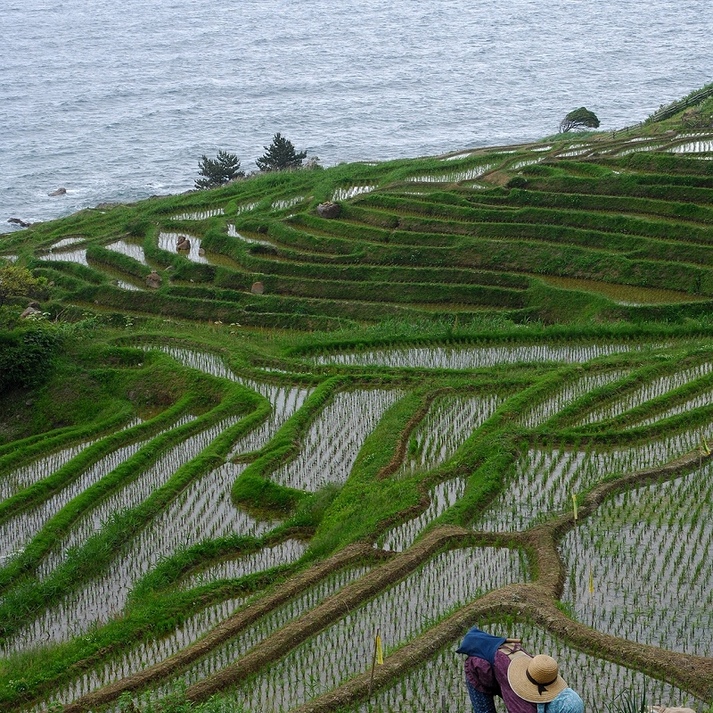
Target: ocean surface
[(117, 101)]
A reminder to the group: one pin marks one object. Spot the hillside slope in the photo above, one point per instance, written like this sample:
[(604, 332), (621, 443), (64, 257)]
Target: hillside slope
[(401, 398)]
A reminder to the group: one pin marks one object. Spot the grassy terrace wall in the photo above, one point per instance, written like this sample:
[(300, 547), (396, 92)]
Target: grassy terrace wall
[(480, 394)]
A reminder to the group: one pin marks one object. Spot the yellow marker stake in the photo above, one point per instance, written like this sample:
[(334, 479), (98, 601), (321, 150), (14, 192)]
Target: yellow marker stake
[(591, 581), (377, 657), (574, 504), (379, 650)]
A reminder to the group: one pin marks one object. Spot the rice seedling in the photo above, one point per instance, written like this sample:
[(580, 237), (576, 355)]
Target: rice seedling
[(227, 653), (639, 148), (234, 568), (202, 511), (285, 400), (442, 496), (78, 256), (233, 233), (131, 250), (457, 156), (144, 654), (665, 531), (540, 412), (476, 357), (454, 176), (167, 241), (517, 165), (441, 678), (343, 194), (650, 390), (286, 202), (400, 613), (20, 528), (693, 147), (98, 599), (199, 215), (246, 207), (34, 472), (334, 439), (449, 422), (575, 150), (202, 361), (66, 242), (131, 494), (124, 285), (703, 399), (544, 479)]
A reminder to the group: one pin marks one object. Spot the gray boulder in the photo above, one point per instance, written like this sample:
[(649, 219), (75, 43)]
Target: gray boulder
[(329, 210)]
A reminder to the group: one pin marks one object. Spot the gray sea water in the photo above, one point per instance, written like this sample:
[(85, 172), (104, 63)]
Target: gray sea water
[(117, 100)]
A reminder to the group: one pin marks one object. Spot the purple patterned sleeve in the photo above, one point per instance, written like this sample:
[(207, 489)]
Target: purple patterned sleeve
[(481, 676)]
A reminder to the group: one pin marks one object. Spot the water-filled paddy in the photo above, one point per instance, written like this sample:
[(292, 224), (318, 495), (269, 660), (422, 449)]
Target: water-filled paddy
[(623, 294), (400, 613), (628, 564), (476, 357)]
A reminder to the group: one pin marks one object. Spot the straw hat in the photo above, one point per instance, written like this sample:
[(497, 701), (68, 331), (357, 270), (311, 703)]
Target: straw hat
[(536, 679)]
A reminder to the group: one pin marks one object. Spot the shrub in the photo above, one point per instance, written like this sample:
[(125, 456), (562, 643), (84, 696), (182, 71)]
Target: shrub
[(16, 281), (26, 355)]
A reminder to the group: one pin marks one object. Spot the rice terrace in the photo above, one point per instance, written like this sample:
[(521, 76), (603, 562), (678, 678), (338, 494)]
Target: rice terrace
[(401, 397)]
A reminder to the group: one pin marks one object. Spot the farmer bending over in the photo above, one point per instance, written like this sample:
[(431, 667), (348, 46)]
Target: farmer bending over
[(498, 666)]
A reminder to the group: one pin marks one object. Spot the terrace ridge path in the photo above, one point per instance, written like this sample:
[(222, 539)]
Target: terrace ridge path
[(222, 632), (535, 601)]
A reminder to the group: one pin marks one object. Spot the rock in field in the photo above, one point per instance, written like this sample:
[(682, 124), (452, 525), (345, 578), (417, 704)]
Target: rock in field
[(329, 210)]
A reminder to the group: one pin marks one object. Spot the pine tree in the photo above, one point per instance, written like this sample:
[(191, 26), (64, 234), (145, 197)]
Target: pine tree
[(217, 171), (280, 154)]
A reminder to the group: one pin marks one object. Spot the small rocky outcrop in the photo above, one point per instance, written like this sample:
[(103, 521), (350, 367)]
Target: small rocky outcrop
[(18, 221), (32, 310), (153, 280), (258, 288), (59, 192), (183, 243), (329, 210)]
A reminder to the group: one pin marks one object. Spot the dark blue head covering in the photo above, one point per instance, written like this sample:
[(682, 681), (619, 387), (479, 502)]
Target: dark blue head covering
[(481, 644)]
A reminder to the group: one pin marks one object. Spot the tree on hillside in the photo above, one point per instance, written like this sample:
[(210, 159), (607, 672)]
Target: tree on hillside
[(217, 171), (578, 119), (280, 155)]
